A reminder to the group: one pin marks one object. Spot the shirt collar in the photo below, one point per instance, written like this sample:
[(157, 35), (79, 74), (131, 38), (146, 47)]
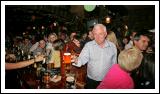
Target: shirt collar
[(106, 44)]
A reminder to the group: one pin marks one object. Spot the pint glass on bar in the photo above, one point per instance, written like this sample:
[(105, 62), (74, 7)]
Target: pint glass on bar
[(67, 58)]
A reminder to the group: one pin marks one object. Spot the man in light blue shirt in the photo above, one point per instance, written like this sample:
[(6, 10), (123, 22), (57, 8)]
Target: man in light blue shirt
[(99, 54)]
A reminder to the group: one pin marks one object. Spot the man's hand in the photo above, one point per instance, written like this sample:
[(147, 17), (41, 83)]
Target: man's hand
[(74, 59), (39, 58)]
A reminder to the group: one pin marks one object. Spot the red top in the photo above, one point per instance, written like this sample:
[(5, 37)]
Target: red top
[(71, 46)]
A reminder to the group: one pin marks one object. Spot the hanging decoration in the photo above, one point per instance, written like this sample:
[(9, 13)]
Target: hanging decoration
[(89, 8)]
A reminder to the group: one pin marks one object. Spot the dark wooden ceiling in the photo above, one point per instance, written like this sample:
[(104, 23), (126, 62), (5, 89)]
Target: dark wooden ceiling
[(20, 16)]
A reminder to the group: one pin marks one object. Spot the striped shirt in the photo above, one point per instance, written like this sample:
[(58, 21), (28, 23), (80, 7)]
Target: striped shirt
[(99, 60)]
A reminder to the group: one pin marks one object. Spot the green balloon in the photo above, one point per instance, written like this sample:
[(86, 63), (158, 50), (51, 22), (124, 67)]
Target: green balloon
[(89, 8)]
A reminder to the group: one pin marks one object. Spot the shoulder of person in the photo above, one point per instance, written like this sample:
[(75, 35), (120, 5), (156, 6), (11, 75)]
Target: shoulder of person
[(49, 45), (34, 46), (90, 43), (111, 43)]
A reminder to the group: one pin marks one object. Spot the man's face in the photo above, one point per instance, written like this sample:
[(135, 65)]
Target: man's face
[(99, 35), (42, 44), (142, 43)]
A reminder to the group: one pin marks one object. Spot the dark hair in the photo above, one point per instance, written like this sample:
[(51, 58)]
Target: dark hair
[(26, 37), (132, 31), (58, 44), (77, 37), (142, 32)]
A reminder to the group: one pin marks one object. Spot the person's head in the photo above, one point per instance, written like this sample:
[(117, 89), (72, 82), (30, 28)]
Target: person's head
[(141, 40), (99, 33), (125, 40), (42, 44), (90, 35), (84, 36), (76, 40), (112, 37), (52, 37), (133, 33), (10, 58), (58, 44), (72, 35), (26, 40), (63, 36), (130, 59)]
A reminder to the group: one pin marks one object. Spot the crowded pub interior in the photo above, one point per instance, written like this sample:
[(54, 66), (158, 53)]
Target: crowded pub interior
[(94, 46)]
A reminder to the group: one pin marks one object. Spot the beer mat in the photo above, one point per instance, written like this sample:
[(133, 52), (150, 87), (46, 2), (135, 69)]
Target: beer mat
[(55, 79)]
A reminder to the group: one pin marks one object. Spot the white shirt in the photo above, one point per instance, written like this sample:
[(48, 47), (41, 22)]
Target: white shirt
[(99, 60)]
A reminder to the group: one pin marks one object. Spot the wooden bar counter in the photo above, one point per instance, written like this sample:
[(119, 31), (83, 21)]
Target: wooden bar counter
[(30, 81)]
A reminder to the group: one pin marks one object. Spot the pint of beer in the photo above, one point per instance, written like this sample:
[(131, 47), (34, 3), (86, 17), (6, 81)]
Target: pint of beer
[(67, 58)]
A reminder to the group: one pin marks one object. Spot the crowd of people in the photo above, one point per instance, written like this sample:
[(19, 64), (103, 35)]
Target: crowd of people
[(109, 63)]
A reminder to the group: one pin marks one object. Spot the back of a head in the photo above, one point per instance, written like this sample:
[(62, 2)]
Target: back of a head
[(112, 37), (130, 59), (58, 44)]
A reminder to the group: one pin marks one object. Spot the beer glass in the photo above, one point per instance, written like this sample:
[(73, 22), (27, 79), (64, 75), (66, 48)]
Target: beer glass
[(67, 58), (70, 81)]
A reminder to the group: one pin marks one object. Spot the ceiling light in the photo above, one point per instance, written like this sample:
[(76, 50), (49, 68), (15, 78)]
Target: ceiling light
[(108, 19)]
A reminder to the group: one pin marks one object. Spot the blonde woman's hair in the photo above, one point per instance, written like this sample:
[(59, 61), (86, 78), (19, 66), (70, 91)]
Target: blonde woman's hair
[(112, 37), (130, 59)]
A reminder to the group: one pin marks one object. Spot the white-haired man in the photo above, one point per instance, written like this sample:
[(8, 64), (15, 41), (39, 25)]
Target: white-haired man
[(99, 54)]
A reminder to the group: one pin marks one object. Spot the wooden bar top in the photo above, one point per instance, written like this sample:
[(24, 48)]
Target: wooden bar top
[(30, 81)]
